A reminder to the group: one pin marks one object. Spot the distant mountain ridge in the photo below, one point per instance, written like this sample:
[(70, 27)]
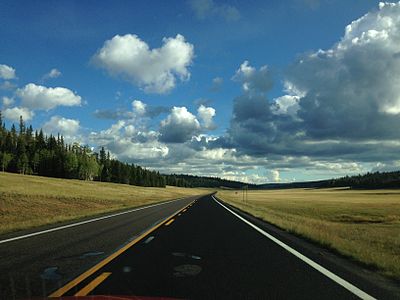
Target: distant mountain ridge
[(376, 180)]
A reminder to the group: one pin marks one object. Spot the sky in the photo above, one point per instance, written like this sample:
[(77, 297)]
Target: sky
[(256, 91)]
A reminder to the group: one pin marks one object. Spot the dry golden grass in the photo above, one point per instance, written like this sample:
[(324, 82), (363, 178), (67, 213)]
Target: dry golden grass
[(30, 201), (364, 225)]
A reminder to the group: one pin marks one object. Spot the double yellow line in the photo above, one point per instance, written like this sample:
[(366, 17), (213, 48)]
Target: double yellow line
[(61, 291)]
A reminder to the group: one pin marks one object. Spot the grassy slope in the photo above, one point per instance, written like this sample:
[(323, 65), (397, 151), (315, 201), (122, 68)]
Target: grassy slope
[(364, 225), (30, 201)]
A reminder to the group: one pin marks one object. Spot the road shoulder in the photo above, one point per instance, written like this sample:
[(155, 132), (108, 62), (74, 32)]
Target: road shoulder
[(364, 278)]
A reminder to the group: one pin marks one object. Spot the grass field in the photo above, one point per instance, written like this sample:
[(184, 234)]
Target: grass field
[(30, 201), (364, 225)]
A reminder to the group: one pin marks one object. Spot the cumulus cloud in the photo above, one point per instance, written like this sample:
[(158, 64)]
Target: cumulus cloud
[(40, 97), (69, 128), (217, 83), (180, 126), (274, 176), (352, 89), (130, 144), (253, 80), (206, 115), (7, 72), (7, 85), (13, 114), (154, 70), (53, 73), (286, 105), (341, 103), (139, 107), (208, 8), (7, 101)]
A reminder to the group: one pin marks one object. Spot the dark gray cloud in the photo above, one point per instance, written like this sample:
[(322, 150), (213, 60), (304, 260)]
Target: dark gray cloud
[(342, 103), (253, 80), (179, 126), (111, 114), (120, 114)]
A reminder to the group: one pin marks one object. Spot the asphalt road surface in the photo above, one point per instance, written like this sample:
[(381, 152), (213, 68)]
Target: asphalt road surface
[(37, 265), (206, 252)]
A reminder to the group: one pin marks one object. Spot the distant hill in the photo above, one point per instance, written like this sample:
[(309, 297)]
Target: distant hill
[(376, 180), (204, 181)]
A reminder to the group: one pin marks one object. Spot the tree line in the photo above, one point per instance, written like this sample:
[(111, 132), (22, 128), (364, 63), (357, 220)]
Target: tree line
[(27, 152), (370, 180), (204, 181), (374, 180)]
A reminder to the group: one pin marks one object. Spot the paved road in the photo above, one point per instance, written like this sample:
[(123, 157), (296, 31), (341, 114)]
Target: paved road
[(206, 252), (36, 265)]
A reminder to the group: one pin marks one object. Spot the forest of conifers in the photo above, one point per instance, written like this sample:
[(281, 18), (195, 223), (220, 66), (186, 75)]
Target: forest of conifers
[(25, 151)]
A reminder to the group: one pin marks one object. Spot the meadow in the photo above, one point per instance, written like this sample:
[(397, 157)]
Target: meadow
[(361, 224), (31, 201)]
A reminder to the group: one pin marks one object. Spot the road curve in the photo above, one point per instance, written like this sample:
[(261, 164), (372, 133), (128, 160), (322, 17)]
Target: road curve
[(206, 252), (36, 265)]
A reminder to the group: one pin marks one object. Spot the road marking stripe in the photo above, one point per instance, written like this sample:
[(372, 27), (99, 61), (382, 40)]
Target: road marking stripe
[(83, 222), (61, 291), (93, 284), (169, 222), (347, 285), (184, 210), (149, 239)]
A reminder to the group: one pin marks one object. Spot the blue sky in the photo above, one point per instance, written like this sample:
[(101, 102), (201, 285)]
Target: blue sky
[(260, 91)]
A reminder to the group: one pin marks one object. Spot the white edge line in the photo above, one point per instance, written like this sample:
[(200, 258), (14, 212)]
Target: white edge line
[(83, 222), (347, 285)]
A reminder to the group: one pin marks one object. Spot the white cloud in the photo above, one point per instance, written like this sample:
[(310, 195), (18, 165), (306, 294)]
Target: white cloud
[(340, 103), (129, 144), (153, 70), (253, 80), (179, 126), (356, 83), (14, 113), (208, 8), (206, 115), (286, 104), (7, 101), (7, 72), (274, 176), (68, 128), (40, 97), (7, 85), (53, 73), (139, 107), (58, 124), (217, 83)]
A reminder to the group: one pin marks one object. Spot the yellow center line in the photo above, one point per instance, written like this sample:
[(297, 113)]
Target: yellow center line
[(169, 222), (61, 291), (93, 284)]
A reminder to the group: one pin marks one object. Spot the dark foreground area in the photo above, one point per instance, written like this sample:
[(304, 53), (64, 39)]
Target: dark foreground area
[(205, 252), (202, 251), (37, 265)]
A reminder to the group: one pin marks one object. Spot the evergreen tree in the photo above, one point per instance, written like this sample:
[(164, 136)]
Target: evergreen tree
[(5, 159)]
